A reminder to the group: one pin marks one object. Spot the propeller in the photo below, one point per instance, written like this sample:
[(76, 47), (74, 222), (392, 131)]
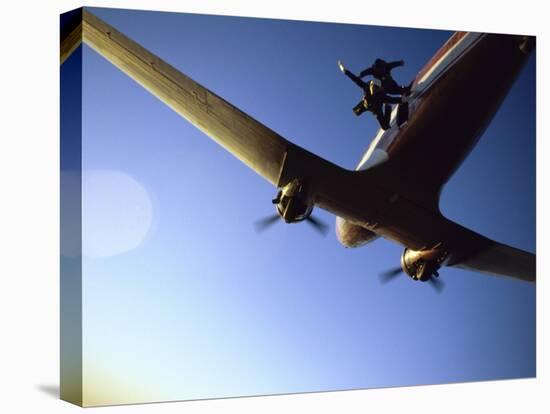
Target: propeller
[(393, 273), (390, 274), (436, 283), (263, 224), (318, 225)]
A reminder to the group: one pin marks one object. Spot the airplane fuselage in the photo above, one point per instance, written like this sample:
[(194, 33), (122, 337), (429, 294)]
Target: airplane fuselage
[(453, 100)]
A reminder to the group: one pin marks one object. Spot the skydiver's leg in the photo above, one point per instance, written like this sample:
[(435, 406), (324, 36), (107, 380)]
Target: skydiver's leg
[(383, 120), (391, 99), (390, 86), (387, 114)]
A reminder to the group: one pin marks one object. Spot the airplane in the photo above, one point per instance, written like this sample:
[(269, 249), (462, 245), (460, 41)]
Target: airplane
[(394, 191)]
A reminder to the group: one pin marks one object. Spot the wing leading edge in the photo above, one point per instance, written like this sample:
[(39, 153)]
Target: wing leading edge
[(500, 259), (261, 149), (472, 251)]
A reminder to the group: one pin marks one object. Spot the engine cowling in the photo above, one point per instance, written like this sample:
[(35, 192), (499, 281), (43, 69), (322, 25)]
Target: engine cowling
[(294, 203), (422, 265)]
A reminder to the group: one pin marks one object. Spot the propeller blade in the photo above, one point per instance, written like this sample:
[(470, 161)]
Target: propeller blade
[(265, 223), (318, 225), (391, 274), (437, 284)]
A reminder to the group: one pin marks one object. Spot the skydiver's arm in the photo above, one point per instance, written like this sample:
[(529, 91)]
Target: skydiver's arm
[(392, 65), (367, 71), (355, 79)]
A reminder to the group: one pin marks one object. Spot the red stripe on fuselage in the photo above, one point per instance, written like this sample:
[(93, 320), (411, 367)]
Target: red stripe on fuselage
[(453, 40)]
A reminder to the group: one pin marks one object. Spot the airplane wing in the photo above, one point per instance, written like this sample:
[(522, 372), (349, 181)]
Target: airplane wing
[(472, 251), (263, 150), (500, 259)]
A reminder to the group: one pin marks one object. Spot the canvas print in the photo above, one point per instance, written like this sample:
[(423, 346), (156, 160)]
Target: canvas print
[(260, 206)]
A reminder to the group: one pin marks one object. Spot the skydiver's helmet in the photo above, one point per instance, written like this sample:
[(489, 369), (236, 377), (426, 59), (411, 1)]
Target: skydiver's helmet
[(378, 62)]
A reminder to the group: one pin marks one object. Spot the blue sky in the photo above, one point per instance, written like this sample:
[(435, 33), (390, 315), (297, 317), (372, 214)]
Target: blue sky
[(183, 299)]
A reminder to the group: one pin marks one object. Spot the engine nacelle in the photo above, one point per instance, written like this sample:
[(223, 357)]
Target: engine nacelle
[(293, 202), (421, 265), (352, 235)]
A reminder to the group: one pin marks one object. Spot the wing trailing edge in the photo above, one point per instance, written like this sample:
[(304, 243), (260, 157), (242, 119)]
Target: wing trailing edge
[(500, 259)]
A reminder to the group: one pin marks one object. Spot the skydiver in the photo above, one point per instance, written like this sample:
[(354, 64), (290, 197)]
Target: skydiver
[(381, 70), (374, 100)]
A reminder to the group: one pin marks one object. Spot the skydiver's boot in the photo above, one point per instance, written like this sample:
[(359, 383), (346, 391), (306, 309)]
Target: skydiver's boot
[(408, 88), (383, 119), (402, 114)]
